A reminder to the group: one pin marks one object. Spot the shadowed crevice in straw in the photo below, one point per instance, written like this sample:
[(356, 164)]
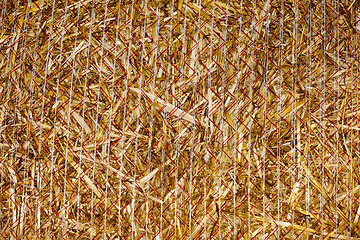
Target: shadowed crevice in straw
[(179, 119)]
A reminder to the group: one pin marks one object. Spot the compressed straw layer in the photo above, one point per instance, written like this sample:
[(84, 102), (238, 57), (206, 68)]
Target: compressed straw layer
[(179, 119)]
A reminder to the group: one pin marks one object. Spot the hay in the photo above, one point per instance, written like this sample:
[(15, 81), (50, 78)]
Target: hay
[(179, 119)]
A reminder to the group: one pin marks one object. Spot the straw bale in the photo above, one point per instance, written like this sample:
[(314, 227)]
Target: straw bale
[(179, 119)]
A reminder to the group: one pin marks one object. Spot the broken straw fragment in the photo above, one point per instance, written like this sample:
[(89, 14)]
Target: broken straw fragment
[(169, 107)]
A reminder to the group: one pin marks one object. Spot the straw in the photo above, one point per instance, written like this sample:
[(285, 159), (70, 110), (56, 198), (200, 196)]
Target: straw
[(196, 119)]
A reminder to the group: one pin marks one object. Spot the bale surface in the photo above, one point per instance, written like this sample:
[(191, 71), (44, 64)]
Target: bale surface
[(179, 119)]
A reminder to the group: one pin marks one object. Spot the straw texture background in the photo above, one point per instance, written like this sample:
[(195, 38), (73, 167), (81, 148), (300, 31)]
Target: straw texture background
[(179, 119)]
